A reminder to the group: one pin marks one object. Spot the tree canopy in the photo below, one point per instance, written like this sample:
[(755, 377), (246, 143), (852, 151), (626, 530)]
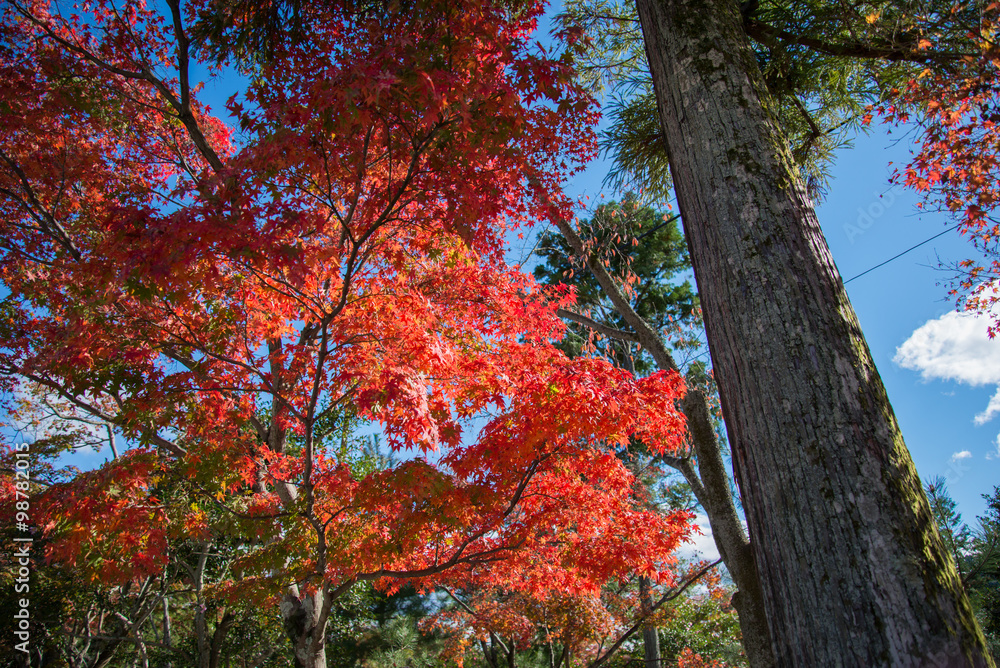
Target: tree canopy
[(225, 295)]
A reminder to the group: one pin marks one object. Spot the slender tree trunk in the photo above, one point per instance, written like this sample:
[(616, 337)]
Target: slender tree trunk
[(200, 618), (710, 482), (167, 639), (711, 488), (219, 637), (487, 654), (305, 624), (650, 638), (852, 570)]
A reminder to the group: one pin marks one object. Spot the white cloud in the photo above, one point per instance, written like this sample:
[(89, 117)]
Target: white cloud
[(995, 455), (955, 347), (991, 410), (701, 546), (964, 454)]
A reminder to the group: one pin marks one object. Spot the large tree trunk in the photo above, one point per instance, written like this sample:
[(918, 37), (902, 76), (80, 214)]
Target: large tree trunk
[(852, 570)]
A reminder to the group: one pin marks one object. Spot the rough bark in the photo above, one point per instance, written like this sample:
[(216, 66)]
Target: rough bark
[(303, 617), (710, 482), (852, 569)]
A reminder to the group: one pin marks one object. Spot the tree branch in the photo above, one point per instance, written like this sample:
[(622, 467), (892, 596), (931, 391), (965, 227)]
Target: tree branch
[(768, 35), (598, 327), (668, 596)]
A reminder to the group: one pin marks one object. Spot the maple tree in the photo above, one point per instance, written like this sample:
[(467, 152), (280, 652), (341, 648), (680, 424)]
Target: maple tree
[(955, 167), (227, 297)]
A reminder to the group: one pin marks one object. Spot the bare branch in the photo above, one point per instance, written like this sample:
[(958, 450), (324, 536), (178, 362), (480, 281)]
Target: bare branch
[(598, 327)]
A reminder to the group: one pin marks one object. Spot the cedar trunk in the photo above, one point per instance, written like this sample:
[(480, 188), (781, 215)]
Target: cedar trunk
[(852, 569)]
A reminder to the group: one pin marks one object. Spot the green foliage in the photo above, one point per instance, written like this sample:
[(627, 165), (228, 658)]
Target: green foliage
[(954, 532), (984, 590), (635, 144), (52, 592), (705, 625), (371, 629), (75, 622), (250, 33), (250, 633), (645, 249), (403, 647), (976, 553)]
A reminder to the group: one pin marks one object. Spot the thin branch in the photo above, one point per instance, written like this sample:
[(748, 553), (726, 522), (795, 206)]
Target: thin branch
[(465, 606), (598, 327), (668, 596), (764, 33)]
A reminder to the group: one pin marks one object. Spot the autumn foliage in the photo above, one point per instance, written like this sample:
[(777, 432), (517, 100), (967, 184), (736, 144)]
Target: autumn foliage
[(957, 108), (225, 290), (590, 628)]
